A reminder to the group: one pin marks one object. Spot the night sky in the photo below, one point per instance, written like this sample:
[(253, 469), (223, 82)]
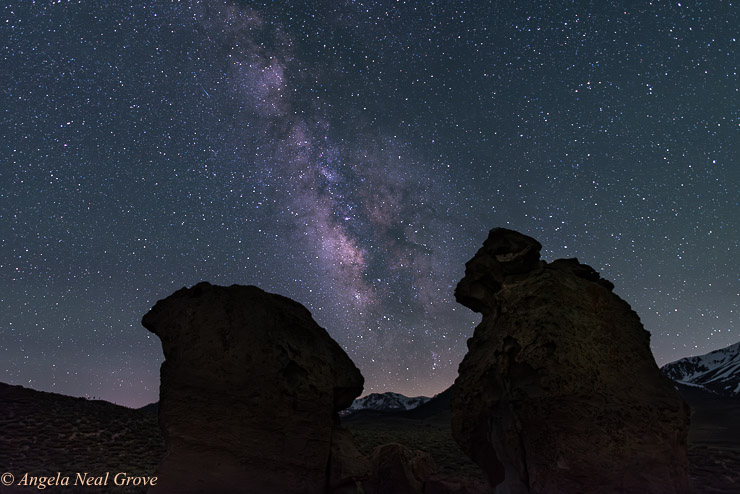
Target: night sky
[(353, 156)]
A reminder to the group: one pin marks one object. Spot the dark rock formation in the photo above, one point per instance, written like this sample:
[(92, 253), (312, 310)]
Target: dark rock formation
[(445, 485), (398, 470), (559, 392), (250, 390), (348, 468)]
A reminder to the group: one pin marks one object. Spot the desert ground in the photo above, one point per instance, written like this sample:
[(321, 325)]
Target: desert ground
[(45, 433)]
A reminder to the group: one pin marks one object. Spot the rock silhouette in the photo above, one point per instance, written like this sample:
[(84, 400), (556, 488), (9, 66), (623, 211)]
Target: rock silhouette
[(399, 470), (559, 392), (250, 390)]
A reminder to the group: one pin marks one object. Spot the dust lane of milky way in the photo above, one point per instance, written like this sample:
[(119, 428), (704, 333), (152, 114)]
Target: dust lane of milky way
[(353, 156)]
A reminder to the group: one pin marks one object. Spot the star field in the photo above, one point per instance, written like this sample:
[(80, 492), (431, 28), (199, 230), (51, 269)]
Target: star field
[(353, 156)]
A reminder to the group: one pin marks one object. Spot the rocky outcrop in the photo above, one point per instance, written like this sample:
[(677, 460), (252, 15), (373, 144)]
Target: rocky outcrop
[(399, 470), (559, 391), (250, 390)]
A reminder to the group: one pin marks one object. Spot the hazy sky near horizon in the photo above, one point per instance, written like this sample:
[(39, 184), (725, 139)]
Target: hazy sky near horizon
[(353, 156)]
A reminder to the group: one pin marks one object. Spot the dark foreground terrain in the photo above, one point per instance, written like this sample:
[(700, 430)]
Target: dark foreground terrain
[(426, 428), (45, 433), (714, 441)]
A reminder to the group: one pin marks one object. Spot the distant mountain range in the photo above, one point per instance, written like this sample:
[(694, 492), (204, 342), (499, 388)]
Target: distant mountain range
[(717, 371), (380, 402), (150, 408), (385, 402)]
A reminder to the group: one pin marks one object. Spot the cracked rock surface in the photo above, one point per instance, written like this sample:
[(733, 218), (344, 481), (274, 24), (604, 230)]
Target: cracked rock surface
[(559, 391), (250, 390)]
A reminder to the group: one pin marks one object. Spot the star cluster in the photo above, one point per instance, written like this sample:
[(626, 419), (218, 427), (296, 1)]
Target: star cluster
[(352, 156)]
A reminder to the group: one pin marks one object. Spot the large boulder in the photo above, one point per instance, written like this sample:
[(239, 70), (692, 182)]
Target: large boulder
[(559, 392), (397, 469), (249, 395)]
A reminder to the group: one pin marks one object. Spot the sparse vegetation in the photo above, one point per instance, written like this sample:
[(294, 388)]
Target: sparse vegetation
[(45, 433)]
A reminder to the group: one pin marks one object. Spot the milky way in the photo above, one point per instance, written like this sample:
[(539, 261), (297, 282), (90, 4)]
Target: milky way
[(353, 156)]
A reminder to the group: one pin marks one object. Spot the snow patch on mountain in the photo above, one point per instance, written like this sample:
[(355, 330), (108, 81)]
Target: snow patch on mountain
[(386, 402), (717, 371)]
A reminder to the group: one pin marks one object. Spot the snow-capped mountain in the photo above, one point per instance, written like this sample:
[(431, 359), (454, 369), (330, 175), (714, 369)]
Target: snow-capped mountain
[(386, 402), (717, 371)]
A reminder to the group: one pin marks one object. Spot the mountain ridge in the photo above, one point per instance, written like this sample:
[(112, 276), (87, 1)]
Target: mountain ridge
[(717, 371), (388, 401)]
